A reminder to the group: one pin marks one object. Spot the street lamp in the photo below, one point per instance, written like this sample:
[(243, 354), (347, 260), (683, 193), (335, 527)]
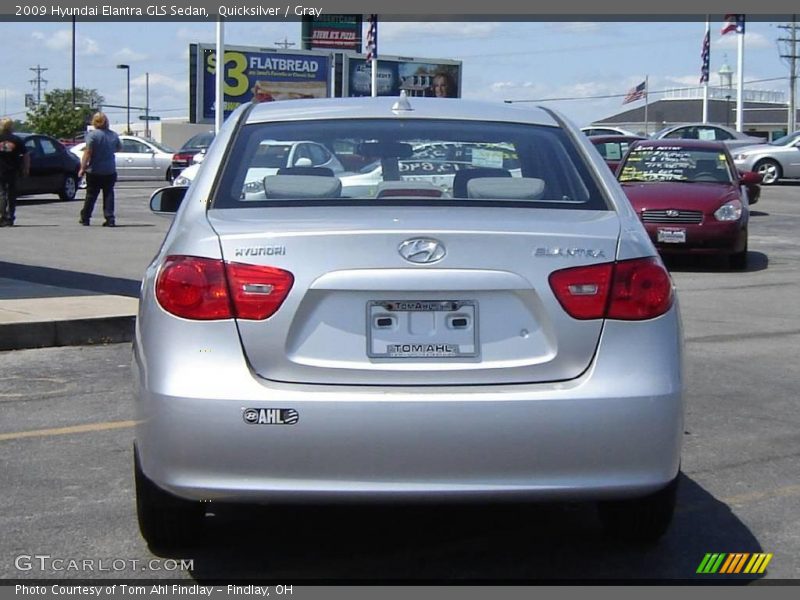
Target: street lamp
[(128, 104)]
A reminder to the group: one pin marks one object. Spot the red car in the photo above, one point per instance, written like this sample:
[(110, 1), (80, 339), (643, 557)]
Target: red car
[(613, 147), (690, 197)]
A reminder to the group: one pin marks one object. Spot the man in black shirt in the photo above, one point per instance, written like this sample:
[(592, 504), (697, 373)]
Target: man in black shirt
[(13, 160)]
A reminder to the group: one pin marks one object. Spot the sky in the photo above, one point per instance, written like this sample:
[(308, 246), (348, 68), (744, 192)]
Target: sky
[(501, 61)]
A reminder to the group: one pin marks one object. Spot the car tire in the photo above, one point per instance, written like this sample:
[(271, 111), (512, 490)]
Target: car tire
[(69, 188), (166, 522), (640, 520), (168, 176), (769, 170), (738, 260)]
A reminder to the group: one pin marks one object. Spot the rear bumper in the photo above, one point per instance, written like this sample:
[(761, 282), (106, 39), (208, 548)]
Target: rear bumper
[(614, 432)]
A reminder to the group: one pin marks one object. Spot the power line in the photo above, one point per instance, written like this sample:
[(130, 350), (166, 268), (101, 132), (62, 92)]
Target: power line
[(38, 81), (791, 56)]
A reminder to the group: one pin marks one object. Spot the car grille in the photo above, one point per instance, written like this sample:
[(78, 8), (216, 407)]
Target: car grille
[(672, 216)]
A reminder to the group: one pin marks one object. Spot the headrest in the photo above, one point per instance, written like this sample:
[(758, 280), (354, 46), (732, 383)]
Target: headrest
[(504, 188)]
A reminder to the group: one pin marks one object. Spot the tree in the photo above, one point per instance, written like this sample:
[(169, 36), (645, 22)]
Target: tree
[(56, 116)]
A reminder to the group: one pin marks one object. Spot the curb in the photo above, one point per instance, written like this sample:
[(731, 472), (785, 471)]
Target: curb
[(75, 332)]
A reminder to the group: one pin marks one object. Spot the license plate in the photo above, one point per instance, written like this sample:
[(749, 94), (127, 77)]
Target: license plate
[(672, 236), (422, 329)]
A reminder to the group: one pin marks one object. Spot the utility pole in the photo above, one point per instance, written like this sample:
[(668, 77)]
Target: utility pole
[(147, 105), (285, 43), (38, 82), (790, 55)]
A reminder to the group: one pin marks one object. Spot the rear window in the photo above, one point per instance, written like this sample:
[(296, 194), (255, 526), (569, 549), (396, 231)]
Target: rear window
[(201, 140), (415, 161)]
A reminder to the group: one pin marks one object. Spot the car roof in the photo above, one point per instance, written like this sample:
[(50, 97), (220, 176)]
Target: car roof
[(381, 107), (600, 139), (681, 143)]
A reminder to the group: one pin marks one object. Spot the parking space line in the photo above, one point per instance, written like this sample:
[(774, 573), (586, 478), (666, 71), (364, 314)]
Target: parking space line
[(89, 427)]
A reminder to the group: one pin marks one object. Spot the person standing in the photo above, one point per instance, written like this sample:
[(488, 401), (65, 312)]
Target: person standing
[(99, 166), (14, 160)]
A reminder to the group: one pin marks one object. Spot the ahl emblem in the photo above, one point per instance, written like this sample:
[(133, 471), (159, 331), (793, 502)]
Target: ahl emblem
[(270, 416), (422, 250)]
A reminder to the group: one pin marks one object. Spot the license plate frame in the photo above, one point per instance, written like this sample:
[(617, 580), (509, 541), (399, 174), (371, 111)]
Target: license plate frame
[(671, 235), (438, 332)]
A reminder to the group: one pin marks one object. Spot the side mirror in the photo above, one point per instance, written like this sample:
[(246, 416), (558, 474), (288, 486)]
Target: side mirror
[(750, 178), (167, 200)]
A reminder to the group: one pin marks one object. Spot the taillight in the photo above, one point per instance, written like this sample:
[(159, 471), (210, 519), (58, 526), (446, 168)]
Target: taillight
[(204, 289), (583, 291), (182, 156), (257, 292), (193, 288), (641, 290), (630, 290)]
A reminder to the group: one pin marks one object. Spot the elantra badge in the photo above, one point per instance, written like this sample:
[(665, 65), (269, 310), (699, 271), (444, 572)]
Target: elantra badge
[(270, 416), (422, 250)]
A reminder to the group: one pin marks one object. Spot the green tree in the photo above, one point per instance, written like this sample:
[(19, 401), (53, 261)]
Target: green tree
[(56, 116)]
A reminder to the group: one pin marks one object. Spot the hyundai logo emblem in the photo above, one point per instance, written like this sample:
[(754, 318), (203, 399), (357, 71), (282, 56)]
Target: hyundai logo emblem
[(422, 250), (672, 213)]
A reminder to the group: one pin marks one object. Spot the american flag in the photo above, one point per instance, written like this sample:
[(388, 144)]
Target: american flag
[(636, 93), (705, 56), (733, 23), (372, 38)]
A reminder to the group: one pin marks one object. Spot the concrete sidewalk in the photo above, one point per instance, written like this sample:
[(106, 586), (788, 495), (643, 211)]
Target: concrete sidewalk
[(33, 315)]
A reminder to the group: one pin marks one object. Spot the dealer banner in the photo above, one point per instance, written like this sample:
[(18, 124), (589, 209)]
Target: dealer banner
[(258, 74)]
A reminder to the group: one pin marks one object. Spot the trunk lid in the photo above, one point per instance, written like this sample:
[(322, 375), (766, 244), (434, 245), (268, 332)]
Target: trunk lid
[(360, 313)]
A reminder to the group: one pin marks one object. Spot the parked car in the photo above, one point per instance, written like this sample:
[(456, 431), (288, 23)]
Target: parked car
[(690, 197), (707, 132), (139, 158), (518, 339), (591, 130), (197, 144), (613, 147), (779, 159), (53, 169)]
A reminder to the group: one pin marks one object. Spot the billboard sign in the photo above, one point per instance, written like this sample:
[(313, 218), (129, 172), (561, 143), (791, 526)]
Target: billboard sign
[(417, 76), (258, 74), (333, 32)]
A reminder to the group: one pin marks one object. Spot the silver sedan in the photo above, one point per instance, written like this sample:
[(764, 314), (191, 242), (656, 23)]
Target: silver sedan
[(511, 334), (139, 158), (780, 159)]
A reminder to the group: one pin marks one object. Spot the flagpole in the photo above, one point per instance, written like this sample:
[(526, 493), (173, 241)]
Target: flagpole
[(374, 77), (646, 101), (705, 83), (219, 77), (740, 82)]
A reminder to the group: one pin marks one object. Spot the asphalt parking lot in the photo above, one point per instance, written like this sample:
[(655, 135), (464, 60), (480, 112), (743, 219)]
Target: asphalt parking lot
[(66, 435)]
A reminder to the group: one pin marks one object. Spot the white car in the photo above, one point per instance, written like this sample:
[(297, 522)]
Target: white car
[(605, 130), (273, 156), (139, 158)]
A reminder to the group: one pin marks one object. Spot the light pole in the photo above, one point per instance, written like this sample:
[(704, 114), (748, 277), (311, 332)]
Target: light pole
[(128, 103)]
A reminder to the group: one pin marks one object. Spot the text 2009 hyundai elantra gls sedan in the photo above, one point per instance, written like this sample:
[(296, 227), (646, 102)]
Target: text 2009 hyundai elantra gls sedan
[(503, 334)]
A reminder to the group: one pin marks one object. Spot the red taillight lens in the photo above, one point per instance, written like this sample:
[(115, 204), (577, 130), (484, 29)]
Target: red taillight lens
[(193, 288), (583, 291), (198, 288), (257, 292), (631, 290), (641, 290), (182, 156)]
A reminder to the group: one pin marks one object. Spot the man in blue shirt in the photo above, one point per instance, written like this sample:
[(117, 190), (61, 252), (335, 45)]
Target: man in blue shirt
[(99, 165)]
